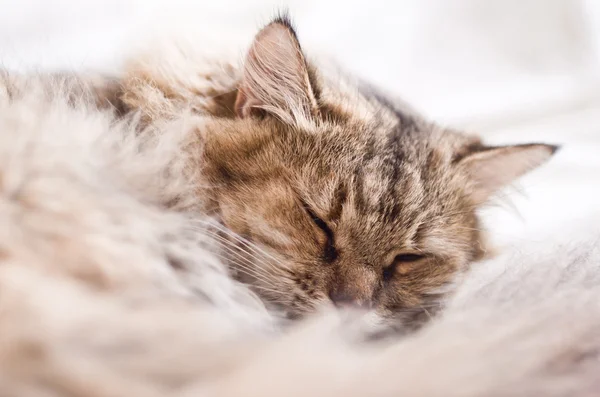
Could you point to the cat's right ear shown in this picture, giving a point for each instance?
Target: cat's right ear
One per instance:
(491, 168)
(275, 78)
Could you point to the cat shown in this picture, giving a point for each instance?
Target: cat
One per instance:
(111, 281)
(349, 197)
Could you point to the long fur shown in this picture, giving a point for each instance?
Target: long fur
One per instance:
(107, 289)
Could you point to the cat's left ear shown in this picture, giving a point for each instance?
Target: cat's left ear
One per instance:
(492, 168)
(275, 78)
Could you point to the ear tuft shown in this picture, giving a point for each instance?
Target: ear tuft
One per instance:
(283, 18)
(492, 168)
(275, 78)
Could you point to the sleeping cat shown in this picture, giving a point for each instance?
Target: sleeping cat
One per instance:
(108, 285)
(335, 193)
(104, 292)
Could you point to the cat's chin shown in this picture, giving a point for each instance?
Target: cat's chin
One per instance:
(357, 325)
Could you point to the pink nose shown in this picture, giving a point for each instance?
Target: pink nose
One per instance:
(345, 300)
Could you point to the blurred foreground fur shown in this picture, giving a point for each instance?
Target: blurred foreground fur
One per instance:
(107, 288)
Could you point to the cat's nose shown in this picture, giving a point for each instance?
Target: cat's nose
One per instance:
(345, 300)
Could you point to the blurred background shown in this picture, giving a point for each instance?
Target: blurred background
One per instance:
(511, 70)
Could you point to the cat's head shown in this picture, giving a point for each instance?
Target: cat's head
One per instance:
(347, 197)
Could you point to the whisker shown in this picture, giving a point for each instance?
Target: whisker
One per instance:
(429, 316)
(249, 266)
(245, 271)
(275, 291)
(232, 246)
(239, 238)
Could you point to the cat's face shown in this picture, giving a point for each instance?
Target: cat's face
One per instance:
(344, 198)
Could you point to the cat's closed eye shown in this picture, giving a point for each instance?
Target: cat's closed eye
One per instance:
(405, 258)
(402, 264)
(329, 252)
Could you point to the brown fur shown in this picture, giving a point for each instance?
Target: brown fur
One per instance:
(335, 184)
(105, 292)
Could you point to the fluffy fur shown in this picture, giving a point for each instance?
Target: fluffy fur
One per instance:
(348, 196)
(91, 303)
(111, 283)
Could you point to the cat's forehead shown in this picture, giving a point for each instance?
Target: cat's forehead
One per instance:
(382, 178)
(377, 177)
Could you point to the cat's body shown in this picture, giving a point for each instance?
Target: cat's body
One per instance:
(102, 316)
(110, 284)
